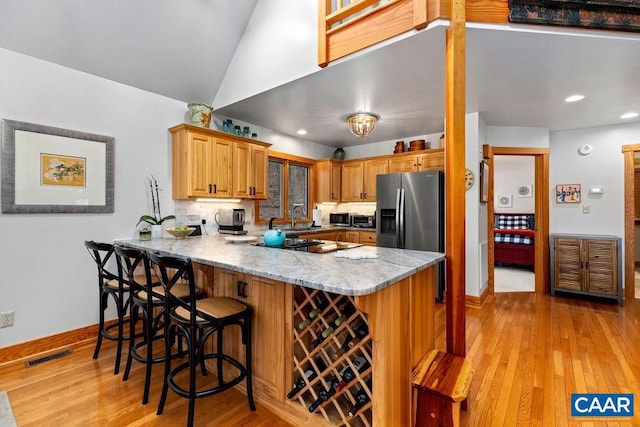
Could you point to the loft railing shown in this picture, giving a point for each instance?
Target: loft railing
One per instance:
(345, 26)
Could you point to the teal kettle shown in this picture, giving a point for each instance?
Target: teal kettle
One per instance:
(273, 237)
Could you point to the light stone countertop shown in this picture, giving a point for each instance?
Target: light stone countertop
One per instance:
(317, 271)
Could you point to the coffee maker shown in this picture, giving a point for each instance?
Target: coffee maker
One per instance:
(230, 221)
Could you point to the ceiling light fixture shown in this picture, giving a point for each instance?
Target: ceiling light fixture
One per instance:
(629, 115)
(574, 98)
(362, 124)
(301, 132)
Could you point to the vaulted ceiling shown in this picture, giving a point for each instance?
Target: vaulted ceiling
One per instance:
(516, 76)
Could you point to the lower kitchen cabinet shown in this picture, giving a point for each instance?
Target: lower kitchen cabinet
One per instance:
(586, 265)
(365, 237)
(267, 299)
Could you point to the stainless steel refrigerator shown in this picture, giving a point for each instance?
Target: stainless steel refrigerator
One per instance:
(410, 214)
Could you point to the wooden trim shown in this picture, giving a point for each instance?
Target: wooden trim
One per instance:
(629, 221)
(323, 7)
(454, 184)
(32, 348)
(216, 133)
(478, 302)
(291, 157)
(541, 189)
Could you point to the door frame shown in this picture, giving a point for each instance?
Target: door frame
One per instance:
(628, 152)
(541, 211)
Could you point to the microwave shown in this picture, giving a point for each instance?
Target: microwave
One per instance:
(339, 218)
(364, 221)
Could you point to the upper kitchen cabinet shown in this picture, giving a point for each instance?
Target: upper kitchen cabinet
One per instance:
(250, 166)
(413, 162)
(328, 178)
(359, 179)
(204, 162)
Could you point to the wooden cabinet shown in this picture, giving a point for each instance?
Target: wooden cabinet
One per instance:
(359, 179)
(431, 160)
(250, 168)
(586, 265)
(328, 179)
(204, 162)
(365, 237)
(267, 299)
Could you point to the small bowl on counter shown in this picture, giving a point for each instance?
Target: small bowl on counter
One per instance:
(180, 232)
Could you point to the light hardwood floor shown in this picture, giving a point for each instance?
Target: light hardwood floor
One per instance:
(529, 353)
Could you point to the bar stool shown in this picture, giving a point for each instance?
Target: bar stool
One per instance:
(197, 320)
(146, 305)
(109, 285)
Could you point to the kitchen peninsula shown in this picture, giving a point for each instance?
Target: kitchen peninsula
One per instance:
(390, 298)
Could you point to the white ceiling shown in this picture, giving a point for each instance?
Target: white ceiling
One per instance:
(182, 50)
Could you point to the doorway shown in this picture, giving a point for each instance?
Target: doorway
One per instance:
(541, 210)
(630, 152)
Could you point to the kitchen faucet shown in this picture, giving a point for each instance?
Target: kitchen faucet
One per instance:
(294, 206)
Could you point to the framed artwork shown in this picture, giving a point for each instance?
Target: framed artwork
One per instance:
(484, 181)
(53, 170)
(524, 190)
(568, 193)
(505, 201)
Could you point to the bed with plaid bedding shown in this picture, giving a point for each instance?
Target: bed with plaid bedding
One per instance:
(514, 237)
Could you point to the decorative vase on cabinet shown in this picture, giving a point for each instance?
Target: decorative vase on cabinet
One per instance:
(200, 114)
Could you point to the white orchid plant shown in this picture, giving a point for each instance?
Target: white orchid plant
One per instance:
(156, 218)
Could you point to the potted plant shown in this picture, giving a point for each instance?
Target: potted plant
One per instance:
(155, 220)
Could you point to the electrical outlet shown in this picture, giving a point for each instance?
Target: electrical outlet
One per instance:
(6, 319)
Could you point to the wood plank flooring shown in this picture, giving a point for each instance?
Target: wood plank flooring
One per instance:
(529, 353)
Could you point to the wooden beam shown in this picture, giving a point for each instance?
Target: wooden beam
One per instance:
(455, 169)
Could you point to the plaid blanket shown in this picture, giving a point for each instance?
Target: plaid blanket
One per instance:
(513, 222)
(513, 238)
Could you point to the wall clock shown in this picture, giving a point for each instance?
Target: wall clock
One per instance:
(469, 179)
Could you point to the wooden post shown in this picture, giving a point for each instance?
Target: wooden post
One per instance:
(455, 168)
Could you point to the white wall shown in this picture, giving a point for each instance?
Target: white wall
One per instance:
(276, 48)
(508, 136)
(603, 167)
(384, 148)
(509, 172)
(473, 155)
(47, 277)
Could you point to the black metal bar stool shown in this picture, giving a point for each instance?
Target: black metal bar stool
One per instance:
(109, 285)
(196, 321)
(146, 306)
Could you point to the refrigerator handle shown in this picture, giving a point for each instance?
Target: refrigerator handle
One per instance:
(401, 219)
(397, 218)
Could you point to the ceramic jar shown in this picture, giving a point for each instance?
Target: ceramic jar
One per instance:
(200, 114)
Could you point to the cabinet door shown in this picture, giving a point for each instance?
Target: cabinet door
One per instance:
(568, 267)
(602, 262)
(221, 168)
(260, 170)
(352, 236)
(373, 168)
(368, 238)
(241, 168)
(352, 174)
(198, 165)
(431, 161)
(328, 181)
(267, 298)
(403, 164)
(336, 181)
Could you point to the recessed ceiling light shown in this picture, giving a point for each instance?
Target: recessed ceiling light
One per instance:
(302, 132)
(574, 98)
(629, 115)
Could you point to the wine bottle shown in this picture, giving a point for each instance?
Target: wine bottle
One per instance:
(362, 398)
(361, 332)
(322, 303)
(324, 395)
(347, 375)
(309, 374)
(343, 347)
(323, 335)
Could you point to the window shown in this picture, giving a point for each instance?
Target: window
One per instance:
(288, 187)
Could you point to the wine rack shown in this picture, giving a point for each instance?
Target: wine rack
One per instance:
(331, 343)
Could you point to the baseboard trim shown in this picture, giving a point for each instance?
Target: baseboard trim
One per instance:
(42, 345)
(478, 302)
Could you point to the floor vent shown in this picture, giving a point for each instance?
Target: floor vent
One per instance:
(54, 356)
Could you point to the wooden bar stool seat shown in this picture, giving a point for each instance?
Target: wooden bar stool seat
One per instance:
(442, 381)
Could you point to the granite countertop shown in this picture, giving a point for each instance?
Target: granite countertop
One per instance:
(318, 271)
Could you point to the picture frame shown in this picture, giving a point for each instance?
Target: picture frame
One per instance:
(568, 193)
(53, 170)
(505, 201)
(524, 190)
(484, 181)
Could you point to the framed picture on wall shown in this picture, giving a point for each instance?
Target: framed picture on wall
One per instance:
(568, 193)
(484, 181)
(504, 201)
